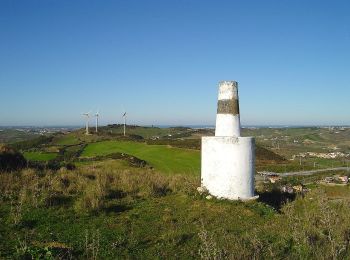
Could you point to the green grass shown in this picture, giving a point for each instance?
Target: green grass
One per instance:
(109, 163)
(132, 222)
(39, 156)
(159, 227)
(161, 157)
(67, 140)
(313, 137)
(143, 214)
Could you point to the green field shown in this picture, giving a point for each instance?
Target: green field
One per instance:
(67, 140)
(163, 158)
(39, 156)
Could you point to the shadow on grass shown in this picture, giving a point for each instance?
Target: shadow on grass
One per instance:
(90, 176)
(28, 223)
(116, 194)
(116, 208)
(275, 198)
(58, 200)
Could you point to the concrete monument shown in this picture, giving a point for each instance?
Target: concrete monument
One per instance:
(228, 160)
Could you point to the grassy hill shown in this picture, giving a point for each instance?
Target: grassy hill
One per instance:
(108, 208)
(100, 212)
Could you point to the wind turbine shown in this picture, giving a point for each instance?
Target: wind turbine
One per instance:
(87, 115)
(97, 115)
(124, 116)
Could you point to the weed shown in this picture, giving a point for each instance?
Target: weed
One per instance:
(92, 244)
(16, 211)
(25, 251)
(209, 249)
(119, 241)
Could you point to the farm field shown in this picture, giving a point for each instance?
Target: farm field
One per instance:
(39, 156)
(163, 158)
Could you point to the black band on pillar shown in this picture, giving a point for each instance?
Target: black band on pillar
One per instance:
(228, 106)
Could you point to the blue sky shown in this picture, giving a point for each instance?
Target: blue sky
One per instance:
(162, 60)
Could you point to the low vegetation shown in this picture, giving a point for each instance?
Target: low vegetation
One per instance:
(106, 196)
(102, 212)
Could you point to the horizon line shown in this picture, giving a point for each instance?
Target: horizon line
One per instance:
(180, 125)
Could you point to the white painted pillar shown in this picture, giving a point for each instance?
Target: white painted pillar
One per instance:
(228, 160)
(227, 117)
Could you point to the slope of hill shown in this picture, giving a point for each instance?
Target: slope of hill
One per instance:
(112, 205)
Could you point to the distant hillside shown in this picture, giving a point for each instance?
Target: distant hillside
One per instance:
(263, 154)
(12, 135)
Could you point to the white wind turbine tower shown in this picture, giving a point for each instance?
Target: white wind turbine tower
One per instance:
(124, 116)
(87, 115)
(97, 116)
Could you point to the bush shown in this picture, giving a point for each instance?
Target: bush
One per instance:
(10, 159)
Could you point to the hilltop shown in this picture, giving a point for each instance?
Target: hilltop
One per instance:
(106, 195)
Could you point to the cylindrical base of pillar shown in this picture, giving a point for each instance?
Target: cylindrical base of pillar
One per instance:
(228, 167)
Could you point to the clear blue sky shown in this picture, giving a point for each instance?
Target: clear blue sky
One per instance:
(162, 60)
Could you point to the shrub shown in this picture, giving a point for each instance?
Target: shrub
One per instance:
(10, 159)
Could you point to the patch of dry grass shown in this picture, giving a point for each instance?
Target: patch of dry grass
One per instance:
(311, 227)
(90, 187)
